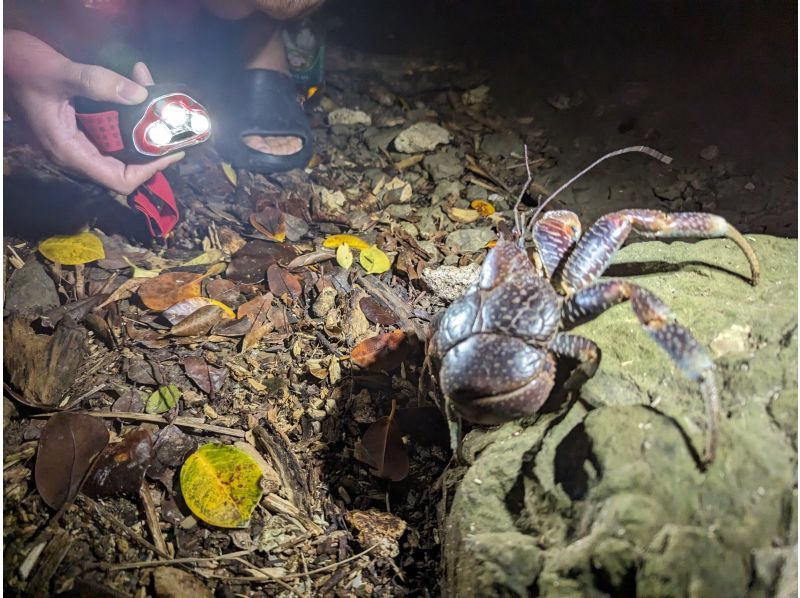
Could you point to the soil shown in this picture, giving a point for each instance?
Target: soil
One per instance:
(571, 81)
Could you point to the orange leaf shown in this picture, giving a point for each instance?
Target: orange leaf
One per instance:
(484, 207)
(165, 290)
(271, 223)
(384, 352)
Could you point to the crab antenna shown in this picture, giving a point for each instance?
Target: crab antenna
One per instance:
(625, 150)
(519, 219)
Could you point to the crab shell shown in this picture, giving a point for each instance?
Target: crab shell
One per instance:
(491, 344)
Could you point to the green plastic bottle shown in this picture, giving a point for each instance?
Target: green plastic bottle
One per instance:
(305, 52)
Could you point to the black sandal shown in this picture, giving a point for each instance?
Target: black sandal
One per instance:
(261, 102)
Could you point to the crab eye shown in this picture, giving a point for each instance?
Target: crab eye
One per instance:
(174, 114)
(198, 123)
(159, 134)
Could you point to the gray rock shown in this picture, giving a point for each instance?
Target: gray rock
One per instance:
(444, 165)
(30, 289)
(421, 137)
(379, 139)
(611, 501)
(476, 192)
(500, 145)
(470, 239)
(448, 283)
(445, 189)
(348, 117)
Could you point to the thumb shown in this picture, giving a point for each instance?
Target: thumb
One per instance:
(103, 85)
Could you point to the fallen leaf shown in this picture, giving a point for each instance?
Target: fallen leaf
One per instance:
(141, 272)
(225, 291)
(163, 399)
(308, 259)
(212, 256)
(282, 282)
(383, 352)
(251, 262)
(462, 216)
(182, 309)
(374, 261)
(344, 256)
(377, 313)
(271, 223)
(334, 241)
(257, 312)
(484, 207)
(120, 468)
(71, 250)
(131, 401)
(199, 322)
(230, 173)
(220, 485)
(67, 447)
(207, 377)
(382, 448)
(232, 328)
(167, 289)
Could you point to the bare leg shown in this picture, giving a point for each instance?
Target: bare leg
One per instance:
(659, 322)
(597, 247)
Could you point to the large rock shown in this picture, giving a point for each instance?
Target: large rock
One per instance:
(421, 137)
(610, 500)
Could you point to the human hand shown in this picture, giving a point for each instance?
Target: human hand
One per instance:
(41, 83)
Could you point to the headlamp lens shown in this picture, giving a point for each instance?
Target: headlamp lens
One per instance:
(174, 114)
(159, 134)
(199, 123)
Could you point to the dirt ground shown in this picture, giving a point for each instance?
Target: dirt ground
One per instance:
(714, 86)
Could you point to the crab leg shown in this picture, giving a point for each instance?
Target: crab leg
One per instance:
(580, 348)
(597, 247)
(554, 235)
(659, 322)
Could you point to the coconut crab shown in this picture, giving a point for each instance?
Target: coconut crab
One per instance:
(495, 347)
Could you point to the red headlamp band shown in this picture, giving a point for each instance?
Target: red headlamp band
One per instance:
(102, 128)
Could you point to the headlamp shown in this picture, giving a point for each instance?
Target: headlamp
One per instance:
(169, 120)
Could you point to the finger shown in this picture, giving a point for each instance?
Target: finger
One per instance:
(104, 85)
(141, 74)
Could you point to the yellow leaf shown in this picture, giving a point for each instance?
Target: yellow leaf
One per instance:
(374, 260)
(334, 241)
(484, 207)
(220, 485)
(212, 256)
(141, 272)
(344, 256)
(463, 216)
(71, 250)
(230, 173)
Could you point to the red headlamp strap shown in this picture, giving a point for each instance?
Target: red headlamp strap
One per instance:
(156, 201)
(102, 129)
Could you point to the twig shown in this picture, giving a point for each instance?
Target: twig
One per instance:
(269, 576)
(327, 344)
(179, 561)
(151, 517)
(518, 219)
(182, 422)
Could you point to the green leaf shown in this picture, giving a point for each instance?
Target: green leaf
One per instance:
(344, 256)
(163, 399)
(221, 485)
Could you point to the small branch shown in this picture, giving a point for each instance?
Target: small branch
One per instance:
(519, 220)
(182, 422)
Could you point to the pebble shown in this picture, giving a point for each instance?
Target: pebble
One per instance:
(448, 283)
(421, 137)
(348, 117)
(500, 145)
(477, 96)
(470, 239)
(324, 303)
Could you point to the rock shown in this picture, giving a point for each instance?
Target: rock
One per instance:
(611, 501)
(500, 145)
(171, 582)
(348, 117)
(377, 528)
(478, 96)
(421, 137)
(396, 191)
(30, 289)
(710, 152)
(446, 189)
(562, 100)
(324, 303)
(735, 339)
(470, 239)
(332, 201)
(444, 165)
(448, 283)
(379, 139)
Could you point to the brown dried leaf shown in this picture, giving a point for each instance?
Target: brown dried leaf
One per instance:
(232, 328)
(384, 352)
(382, 448)
(182, 309)
(257, 311)
(120, 467)
(251, 261)
(282, 282)
(68, 445)
(208, 377)
(225, 291)
(199, 322)
(377, 313)
(165, 290)
(271, 223)
(315, 257)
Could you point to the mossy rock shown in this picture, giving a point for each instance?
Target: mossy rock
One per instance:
(611, 499)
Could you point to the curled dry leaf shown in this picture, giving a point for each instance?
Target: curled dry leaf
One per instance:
(120, 468)
(257, 312)
(165, 290)
(208, 377)
(271, 223)
(308, 259)
(377, 313)
(199, 322)
(183, 309)
(382, 448)
(384, 352)
(67, 447)
(282, 282)
(251, 262)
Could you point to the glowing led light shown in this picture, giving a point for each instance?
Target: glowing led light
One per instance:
(199, 123)
(174, 114)
(159, 134)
